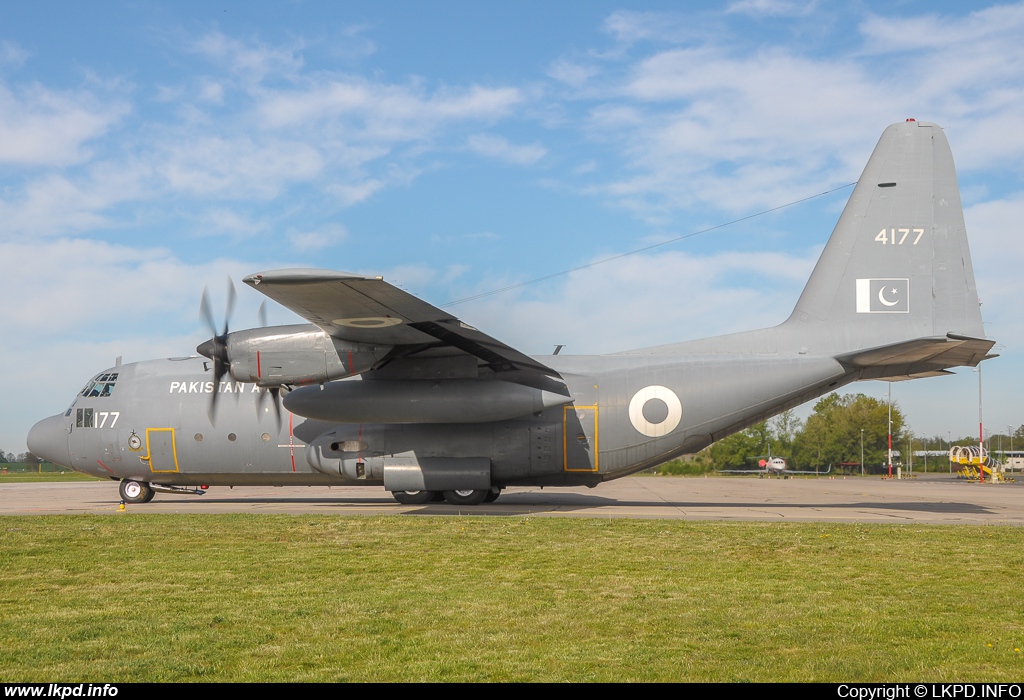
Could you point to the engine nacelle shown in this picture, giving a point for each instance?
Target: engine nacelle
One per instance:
(299, 354)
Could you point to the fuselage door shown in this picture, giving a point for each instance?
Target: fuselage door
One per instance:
(579, 438)
(161, 450)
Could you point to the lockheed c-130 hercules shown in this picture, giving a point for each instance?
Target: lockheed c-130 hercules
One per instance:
(385, 389)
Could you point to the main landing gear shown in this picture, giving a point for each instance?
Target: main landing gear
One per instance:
(136, 491)
(461, 497)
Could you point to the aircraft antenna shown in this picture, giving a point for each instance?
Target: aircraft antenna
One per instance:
(619, 256)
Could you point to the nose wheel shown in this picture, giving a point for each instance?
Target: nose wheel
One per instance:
(136, 491)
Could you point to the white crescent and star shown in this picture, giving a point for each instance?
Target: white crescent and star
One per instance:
(881, 297)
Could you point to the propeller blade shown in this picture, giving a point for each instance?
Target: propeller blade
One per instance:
(275, 394)
(205, 314)
(262, 315)
(218, 373)
(231, 305)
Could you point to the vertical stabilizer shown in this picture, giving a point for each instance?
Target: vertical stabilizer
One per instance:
(897, 266)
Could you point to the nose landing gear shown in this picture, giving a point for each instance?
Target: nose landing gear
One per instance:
(136, 491)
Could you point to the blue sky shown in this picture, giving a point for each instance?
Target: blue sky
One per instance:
(150, 149)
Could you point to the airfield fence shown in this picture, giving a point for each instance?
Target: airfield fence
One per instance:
(28, 468)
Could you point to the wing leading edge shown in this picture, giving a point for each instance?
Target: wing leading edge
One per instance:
(369, 310)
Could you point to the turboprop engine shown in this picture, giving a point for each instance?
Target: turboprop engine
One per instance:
(299, 354)
(420, 401)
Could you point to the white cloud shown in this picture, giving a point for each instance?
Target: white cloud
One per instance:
(56, 204)
(252, 60)
(228, 221)
(95, 289)
(211, 91)
(235, 133)
(628, 27)
(39, 126)
(237, 167)
(719, 123)
(494, 146)
(348, 195)
(572, 73)
(381, 111)
(11, 54)
(771, 8)
(323, 237)
(888, 34)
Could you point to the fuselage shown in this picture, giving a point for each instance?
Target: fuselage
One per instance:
(148, 421)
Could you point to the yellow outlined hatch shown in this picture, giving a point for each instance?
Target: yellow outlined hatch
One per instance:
(165, 458)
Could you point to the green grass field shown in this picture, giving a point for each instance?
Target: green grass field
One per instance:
(129, 597)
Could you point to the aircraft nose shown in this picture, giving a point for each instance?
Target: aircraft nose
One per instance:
(48, 439)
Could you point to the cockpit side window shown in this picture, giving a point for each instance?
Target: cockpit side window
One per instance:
(101, 386)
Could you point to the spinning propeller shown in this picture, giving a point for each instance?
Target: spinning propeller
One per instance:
(216, 349)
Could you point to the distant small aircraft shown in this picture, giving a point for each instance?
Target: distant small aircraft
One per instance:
(384, 389)
(773, 466)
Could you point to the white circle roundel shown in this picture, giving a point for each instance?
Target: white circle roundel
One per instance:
(666, 426)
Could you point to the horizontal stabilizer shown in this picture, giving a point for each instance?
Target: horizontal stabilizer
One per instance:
(919, 375)
(922, 357)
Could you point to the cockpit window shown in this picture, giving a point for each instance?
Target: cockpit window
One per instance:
(101, 386)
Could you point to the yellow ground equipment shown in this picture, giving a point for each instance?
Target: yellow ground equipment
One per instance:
(974, 461)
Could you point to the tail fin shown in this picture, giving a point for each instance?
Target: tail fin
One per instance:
(897, 267)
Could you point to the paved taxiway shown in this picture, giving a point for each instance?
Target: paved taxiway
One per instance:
(933, 499)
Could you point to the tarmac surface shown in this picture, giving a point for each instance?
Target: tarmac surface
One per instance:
(929, 499)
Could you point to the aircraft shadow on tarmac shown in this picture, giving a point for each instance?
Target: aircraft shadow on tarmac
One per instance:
(513, 504)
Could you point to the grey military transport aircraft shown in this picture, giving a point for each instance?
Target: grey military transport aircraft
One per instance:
(381, 388)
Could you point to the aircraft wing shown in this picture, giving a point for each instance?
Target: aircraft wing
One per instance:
(805, 471)
(369, 310)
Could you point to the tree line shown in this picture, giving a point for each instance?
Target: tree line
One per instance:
(22, 458)
(839, 430)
